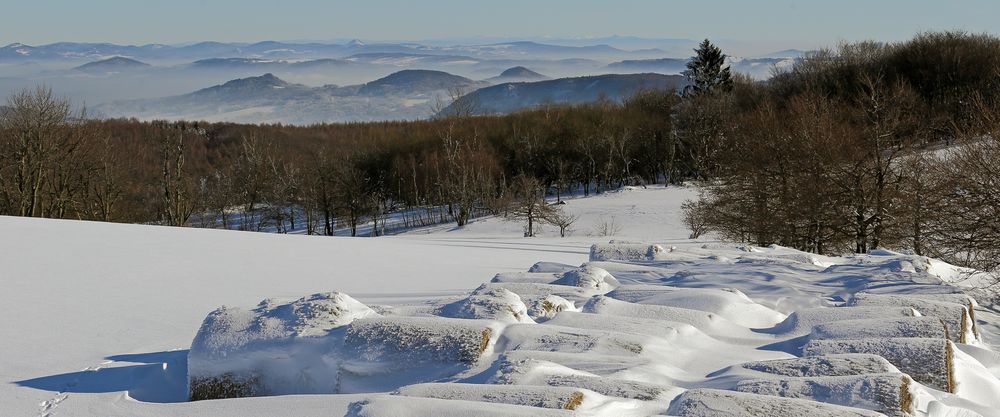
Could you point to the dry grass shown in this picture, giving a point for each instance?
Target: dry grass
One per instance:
(574, 401)
(949, 355)
(905, 397)
(965, 328)
(485, 342)
(972, 316)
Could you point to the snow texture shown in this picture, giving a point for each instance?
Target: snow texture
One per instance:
(928, 361)
(625, 251)
(926, 327)
(716, 403)
(409, 340)
(885, 393)
(955, 316)
(824, 365)
(565, 398)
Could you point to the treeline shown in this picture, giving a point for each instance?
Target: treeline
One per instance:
(55, 163)
(866, 146)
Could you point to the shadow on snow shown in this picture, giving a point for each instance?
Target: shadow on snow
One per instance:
(159, 377)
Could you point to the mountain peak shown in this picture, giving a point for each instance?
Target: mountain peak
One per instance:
(415, 80)
(521, 72)
(115, 63)
(263, 81)
(355, 43)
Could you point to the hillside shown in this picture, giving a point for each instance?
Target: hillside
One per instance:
(408, 82)
(508, 97)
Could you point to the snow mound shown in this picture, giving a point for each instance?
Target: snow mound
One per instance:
(265, 351)
(228, 330)
(526, 277)
(717, 403)
(824, 365)
(550, 267)
(402, 406)
(412, 340)
(625, 251)
(928, 361)
(569, 339)
(590, 277)
(489, 302)
(926, 327)
(975, 381)
(612, 387)
(537, 372)
(549, 306)
(594, 363)
(540, 301)
(729, 303)
(564, 398)
(706, 322)
(802, 321)
(640, 326)
(531, 291)
(885, 393)
(961, 327)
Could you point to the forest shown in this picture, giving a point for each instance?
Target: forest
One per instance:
(864, 146)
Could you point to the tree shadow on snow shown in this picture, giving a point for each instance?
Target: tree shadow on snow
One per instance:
(159, 377)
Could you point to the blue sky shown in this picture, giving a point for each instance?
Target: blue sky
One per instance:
(776, 22)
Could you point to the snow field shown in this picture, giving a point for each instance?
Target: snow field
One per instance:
(682, 332)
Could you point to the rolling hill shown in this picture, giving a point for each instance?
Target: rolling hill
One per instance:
(508, 97)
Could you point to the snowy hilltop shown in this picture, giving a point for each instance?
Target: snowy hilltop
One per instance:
(479, 321)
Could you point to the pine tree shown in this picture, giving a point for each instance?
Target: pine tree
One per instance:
(705, 70)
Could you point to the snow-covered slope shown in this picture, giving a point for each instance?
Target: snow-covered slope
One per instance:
(98, 320)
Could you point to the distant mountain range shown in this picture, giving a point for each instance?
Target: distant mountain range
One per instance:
(308, 82)
(407, 94)
(73, 51)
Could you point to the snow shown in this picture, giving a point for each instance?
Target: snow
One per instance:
(715, 403)
(110, 319)
(885, 393)
(825, 365)
(928, 361)
(926, 327)
(625, 251)
(955, 316)
(489, 302)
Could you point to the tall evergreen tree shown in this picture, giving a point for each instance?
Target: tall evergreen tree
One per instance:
(705, 70)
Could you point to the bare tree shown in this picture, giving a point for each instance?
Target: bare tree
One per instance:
(528, 203)
(36, 139)
(178, 193)
(561, 219)
(456, 104)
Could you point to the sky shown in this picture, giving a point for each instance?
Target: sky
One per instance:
(781, 23)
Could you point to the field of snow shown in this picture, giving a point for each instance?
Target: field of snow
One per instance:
(122, 320)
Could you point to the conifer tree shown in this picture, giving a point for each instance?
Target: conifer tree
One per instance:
(705, 70)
